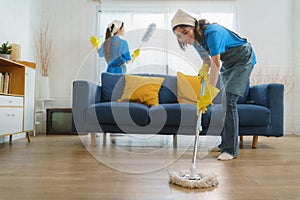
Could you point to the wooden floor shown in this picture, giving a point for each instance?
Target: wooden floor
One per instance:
(67, 167)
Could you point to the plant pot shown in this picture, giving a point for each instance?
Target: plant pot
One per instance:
(6, 56)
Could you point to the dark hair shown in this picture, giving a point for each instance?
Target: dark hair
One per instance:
(107, 42)
(199, 28)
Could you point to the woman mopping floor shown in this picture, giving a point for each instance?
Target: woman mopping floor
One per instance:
(229, 57)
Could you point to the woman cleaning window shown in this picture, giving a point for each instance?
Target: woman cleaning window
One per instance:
(115, 49)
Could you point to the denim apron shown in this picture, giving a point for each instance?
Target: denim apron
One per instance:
(236, 68)
(117, 68)
(124, 68)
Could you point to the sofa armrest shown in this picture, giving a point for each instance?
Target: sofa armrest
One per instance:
(271, 96)
(84, 94)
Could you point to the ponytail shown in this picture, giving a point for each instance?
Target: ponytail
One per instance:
(200, 27)
(107, 44)
(108, 39)
(108, 32)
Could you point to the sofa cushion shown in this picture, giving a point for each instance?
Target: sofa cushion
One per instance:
(183, 115)
(177, 114)
(141, 89)
(253, 115)
(188, 88)
(249, 115)
(118, 113)
(214, 117)
(112, 86)
(168, 90)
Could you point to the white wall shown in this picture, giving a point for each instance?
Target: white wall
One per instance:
(269, 27)
(71, 23)
(18, 20)
(296, 115)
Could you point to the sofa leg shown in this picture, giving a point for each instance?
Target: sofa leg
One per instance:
(104, 138)
(175, 140)
(241, 138)
(93, 139)
(28, 136)
(255, 141)
(10, 139)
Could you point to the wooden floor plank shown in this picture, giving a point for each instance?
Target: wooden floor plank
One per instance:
(62, 167)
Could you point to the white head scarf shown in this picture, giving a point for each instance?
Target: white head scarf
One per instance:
(114, 26)
(182, 18)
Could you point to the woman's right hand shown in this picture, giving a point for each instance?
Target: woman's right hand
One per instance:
(95, 42)
(203, 72)
(207, 99)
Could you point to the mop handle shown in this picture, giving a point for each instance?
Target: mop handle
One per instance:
(197, 132)
(203, 87)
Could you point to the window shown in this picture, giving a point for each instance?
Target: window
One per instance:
(161, 54)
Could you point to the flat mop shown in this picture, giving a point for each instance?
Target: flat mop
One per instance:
(191, 178)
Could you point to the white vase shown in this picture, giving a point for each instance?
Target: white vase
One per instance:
(44, 87)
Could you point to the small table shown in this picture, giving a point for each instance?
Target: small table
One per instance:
(36, 122)
(46, 103)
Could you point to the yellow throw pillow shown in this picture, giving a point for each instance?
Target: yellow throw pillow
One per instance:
(141, 89)
(188, 88)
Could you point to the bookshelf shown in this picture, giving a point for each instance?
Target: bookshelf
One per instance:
(17, 102)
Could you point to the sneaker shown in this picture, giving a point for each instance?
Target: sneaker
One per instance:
(225, 156)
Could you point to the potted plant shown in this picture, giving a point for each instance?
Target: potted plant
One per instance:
(5, 50)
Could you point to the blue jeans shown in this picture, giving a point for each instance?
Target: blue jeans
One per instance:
(230, 130)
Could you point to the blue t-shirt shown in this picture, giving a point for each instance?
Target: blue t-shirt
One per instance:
(217, 40)
(119, 49)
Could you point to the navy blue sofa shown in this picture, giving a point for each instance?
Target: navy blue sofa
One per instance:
(95, 110)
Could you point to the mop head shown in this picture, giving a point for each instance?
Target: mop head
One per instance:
(204, 180)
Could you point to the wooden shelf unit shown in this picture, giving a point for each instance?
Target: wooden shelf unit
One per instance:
(18, 105)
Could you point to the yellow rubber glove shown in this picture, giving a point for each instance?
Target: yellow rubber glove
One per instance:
(203, 72)
(135, 54)
(206, 100)
(95, 41)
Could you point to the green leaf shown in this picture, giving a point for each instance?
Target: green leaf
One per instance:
(5, 48)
